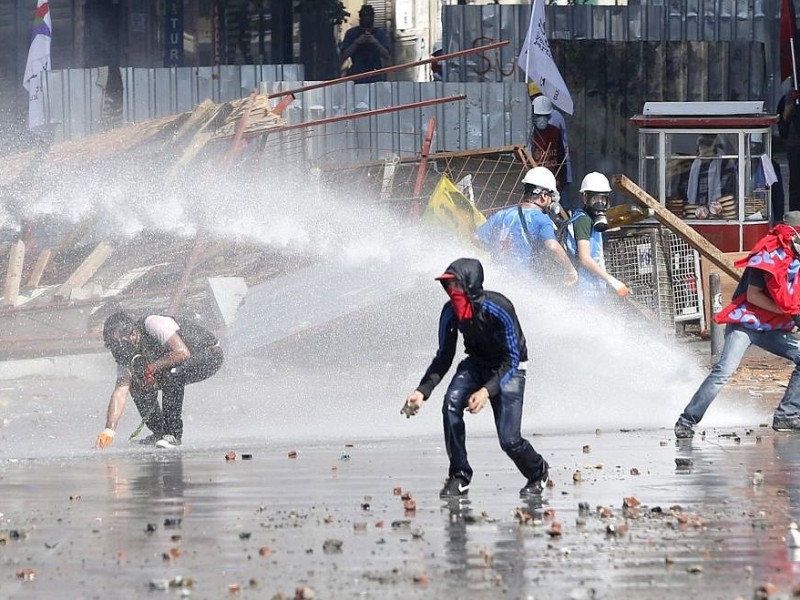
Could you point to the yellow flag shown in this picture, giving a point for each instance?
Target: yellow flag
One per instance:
(449, 207)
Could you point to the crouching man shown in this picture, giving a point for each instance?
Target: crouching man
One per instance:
(156, 353)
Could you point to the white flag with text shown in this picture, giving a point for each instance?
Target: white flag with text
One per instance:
(34, 79)
(536, 60)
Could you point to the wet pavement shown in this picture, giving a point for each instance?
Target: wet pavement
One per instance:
(632, 514)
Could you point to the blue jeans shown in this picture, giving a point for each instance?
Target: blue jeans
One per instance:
(737, 341)
(507, 408)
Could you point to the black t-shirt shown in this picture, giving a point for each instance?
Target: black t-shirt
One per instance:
(754, 277)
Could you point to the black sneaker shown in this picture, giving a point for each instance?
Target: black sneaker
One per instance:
(684, 430)
(455, 487)
(150, 440)
(535, 487)
(786, 423)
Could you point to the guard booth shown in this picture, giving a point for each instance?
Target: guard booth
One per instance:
(710, 163)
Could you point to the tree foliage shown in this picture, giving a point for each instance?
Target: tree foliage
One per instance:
(333, 9)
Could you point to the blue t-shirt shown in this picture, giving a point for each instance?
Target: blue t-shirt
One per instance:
(503, 234)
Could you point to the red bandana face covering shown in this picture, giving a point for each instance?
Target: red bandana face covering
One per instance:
(461, 304)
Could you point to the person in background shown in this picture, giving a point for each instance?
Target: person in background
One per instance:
(152, 354)
(524, 235)
(767, 176)
(558, 121)
(789, 132)
(583, 238)
(437, 69)
(366, 46)
(764, 311)
(492, 373)
(547, 147)
(711, 176)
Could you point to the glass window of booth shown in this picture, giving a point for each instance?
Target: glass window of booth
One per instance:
(758, 177)
(721, 175)
(702, 171)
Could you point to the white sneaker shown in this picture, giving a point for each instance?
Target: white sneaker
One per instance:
(168, 441)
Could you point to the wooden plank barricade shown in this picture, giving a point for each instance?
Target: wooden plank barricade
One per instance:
(677, 226)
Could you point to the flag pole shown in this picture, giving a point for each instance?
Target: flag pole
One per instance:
(794, 69)
(528, 50)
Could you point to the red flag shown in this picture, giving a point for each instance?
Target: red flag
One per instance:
(788, 32)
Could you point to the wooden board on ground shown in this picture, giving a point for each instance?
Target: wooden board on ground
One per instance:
(727, 284)
(39, 267)
(84, 272)
(14, 273)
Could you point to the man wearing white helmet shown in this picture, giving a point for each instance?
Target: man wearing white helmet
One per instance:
(583, 237)
(556, 120)
(524, 234)
(547, 146)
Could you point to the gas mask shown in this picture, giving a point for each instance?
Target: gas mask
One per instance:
(554, 210)
(123, 350)
(597, 206)
(541, 121)
(551, 208)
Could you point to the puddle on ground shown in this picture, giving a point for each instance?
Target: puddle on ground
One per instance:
(332, 520)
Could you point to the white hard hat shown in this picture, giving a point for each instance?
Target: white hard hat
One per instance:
(757, 137)
(595, 182)
(542, 105)
(541, 177)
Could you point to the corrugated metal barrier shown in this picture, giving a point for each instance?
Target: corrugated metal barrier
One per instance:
(493, 114)
(659, 21)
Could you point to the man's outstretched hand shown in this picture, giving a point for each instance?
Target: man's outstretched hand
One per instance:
(413, 404)
(105, 438)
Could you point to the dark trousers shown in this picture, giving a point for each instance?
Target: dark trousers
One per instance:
(793, 158)
(507, 408)
(166, 419)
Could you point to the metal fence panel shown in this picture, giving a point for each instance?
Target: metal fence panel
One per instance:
(639, 257)
(661, 270)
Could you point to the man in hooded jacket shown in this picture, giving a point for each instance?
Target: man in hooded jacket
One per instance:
(493, 372)
(764, 311)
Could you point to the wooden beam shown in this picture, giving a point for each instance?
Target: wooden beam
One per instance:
(84, 272)
(238, 142)
(203, 115)
(677, 226)
(39, 267)
(183, 284)
(198, 117)
(14, 273)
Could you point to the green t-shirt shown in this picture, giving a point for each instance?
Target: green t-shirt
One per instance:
(582, 227)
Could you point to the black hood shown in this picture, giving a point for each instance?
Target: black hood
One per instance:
(469, 272)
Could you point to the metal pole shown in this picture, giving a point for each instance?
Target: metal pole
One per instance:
(416, 205)
(358, 115)
(717, 331)
(392, 69)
